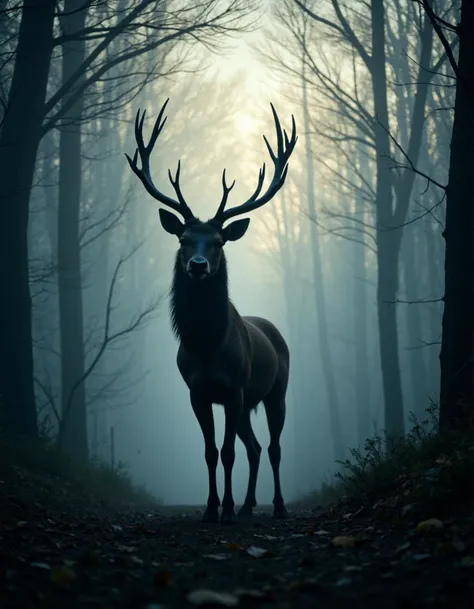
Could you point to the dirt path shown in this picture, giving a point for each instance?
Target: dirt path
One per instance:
(166, 558)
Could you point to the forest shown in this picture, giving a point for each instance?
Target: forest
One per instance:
(363, 259)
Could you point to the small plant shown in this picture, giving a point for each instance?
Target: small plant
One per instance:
(425, 466)
(43, 456)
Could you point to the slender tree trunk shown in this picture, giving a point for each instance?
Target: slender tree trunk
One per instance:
(457, 370)
(19, 140)
(320, 298)
(416, 357)
(433, 255)
(71, 323)
(362, 389)
(388, 237)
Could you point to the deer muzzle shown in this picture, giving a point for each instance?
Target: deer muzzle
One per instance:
(198, 267)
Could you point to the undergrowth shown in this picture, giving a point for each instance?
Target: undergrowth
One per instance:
(44, 457)
(424, 467)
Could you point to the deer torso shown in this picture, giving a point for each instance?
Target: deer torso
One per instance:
(221, 352)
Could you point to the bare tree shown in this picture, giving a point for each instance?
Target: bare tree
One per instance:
(29, 115)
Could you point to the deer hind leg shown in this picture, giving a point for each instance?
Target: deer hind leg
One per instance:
(275, 410)
(203, 411)
(245, 433)
(233, 410)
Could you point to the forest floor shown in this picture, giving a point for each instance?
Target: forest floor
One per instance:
(62, 549)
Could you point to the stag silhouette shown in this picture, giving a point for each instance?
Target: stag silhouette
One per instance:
(224, 358)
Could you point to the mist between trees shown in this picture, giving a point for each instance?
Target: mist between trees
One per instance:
(348, 260)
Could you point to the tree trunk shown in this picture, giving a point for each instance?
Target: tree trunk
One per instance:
(320, 299)
(73, 435)
(416, 356)
(362, 373)
(457, 371)
(19, 140)
(388, 237)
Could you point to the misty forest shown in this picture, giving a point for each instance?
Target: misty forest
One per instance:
(328, 145)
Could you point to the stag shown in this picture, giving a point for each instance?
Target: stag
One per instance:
(224, 358)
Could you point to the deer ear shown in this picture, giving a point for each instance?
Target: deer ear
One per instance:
(236, 230)
(171, 223)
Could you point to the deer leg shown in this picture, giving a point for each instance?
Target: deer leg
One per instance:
(203, 411)
(245, 433)
(275, 410)
(233, 410)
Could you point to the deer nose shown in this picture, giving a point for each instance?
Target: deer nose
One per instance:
(198, 265)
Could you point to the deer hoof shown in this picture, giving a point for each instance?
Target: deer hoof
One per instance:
(210, 515)
(228, 518)
(280, 512)
(246, 511)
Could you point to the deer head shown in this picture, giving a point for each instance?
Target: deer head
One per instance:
(201, 243)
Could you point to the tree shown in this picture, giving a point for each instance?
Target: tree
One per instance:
(19, 139)
(457, 346)
(29, 116)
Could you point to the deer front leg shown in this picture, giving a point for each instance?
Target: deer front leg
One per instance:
(233, 409)
(203, 411)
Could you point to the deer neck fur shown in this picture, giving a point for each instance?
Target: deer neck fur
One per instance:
(200, 310)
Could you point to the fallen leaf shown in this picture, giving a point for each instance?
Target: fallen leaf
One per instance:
(257, 552)
(128, 549)
(116, 527)
(344, 541)
(62, 576)
(267, 537)
(459, 545)
(352, 568)
(467, 561)
(233, 546)
(322, 533)
(343, 581)
(203, 596)
(405, 546)
(162, 579)
(432, 525)
(420, 557)
(218, 556)
(136, 560)
(41, 565)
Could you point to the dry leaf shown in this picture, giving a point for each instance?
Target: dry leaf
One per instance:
(41, 565)
(218, 556)
(432, 525)
(344, 541)
(459, 545)
(233, 546)
(62, 576)
(203, 596)
(162, 579)
(257, 552)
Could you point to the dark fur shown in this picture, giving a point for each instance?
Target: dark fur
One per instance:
(234, 361)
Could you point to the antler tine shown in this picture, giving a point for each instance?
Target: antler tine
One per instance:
(226, 190)
(144, 151)
(285, 148)
(176, 185)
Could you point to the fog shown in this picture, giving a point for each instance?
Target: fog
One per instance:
(138, 409)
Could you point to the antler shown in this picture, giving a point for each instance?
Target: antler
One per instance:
(280, 161)
(180, 205)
